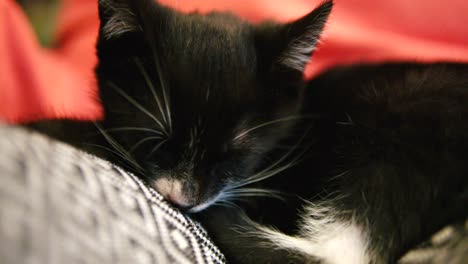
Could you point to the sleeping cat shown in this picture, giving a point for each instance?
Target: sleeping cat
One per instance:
(210, 110)
(385, 167)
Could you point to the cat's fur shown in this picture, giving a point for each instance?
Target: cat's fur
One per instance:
(181, 91)
(388, 170)
(209, 109)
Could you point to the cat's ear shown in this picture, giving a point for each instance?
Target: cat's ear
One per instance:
(121, 16)
(117, 17)
(291, 45)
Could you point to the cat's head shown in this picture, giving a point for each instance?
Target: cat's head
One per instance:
(194, 102)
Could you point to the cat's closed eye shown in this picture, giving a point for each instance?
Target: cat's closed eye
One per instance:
(197, 78)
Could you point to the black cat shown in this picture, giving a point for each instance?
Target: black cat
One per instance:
(193, 103)
(383, 169)
(369, 160)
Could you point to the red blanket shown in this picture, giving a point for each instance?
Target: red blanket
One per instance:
(37, 83)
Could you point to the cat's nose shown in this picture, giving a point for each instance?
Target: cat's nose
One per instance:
(172, 190)
(177, 198)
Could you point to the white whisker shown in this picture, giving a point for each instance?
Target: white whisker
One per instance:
(118, 147)
(226, 204)
(272, 122)
(156, 148)
(163, 88)
(265, 173)
(137, 105)
(141, 129)
(168, 106)
(141, 142)
(270, 171)
(151, 86)
(111, 151)
(264, 176)
(257, 192)
(127, 163)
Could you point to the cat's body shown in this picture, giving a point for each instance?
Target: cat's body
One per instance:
(386, 168)
(208, 109)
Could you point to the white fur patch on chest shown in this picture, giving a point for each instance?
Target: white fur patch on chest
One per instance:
(341, 243)
(323, 237)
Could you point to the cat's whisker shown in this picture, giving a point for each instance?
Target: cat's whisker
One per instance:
(247, 190)
(156, 148)
(262, 174)
(269, 174)
(151, 86)
(270, 171)
(339, 175)
(142, 141)
(255, 192)
(140, 129)
(272, 122)
(276, 171)
(128, 164)
(163, 87)
(226, 203)
(137, 105)
(118, 147)
(168, 106)
(113, 152)
(230, 198)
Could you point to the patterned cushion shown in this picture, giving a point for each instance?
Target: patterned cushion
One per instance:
(60, 205)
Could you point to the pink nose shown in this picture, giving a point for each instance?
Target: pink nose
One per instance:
(172, 191)
(177, 199)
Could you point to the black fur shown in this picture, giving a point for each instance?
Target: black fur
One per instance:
(385, 144)
(400, 133)
(220, 75)
(387, 148)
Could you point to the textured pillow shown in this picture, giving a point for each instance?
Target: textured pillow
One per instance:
(60, 205)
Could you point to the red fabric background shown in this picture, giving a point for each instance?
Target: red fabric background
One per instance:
(37, 83)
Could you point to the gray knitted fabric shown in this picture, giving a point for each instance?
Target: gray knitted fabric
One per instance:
(60, 205)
